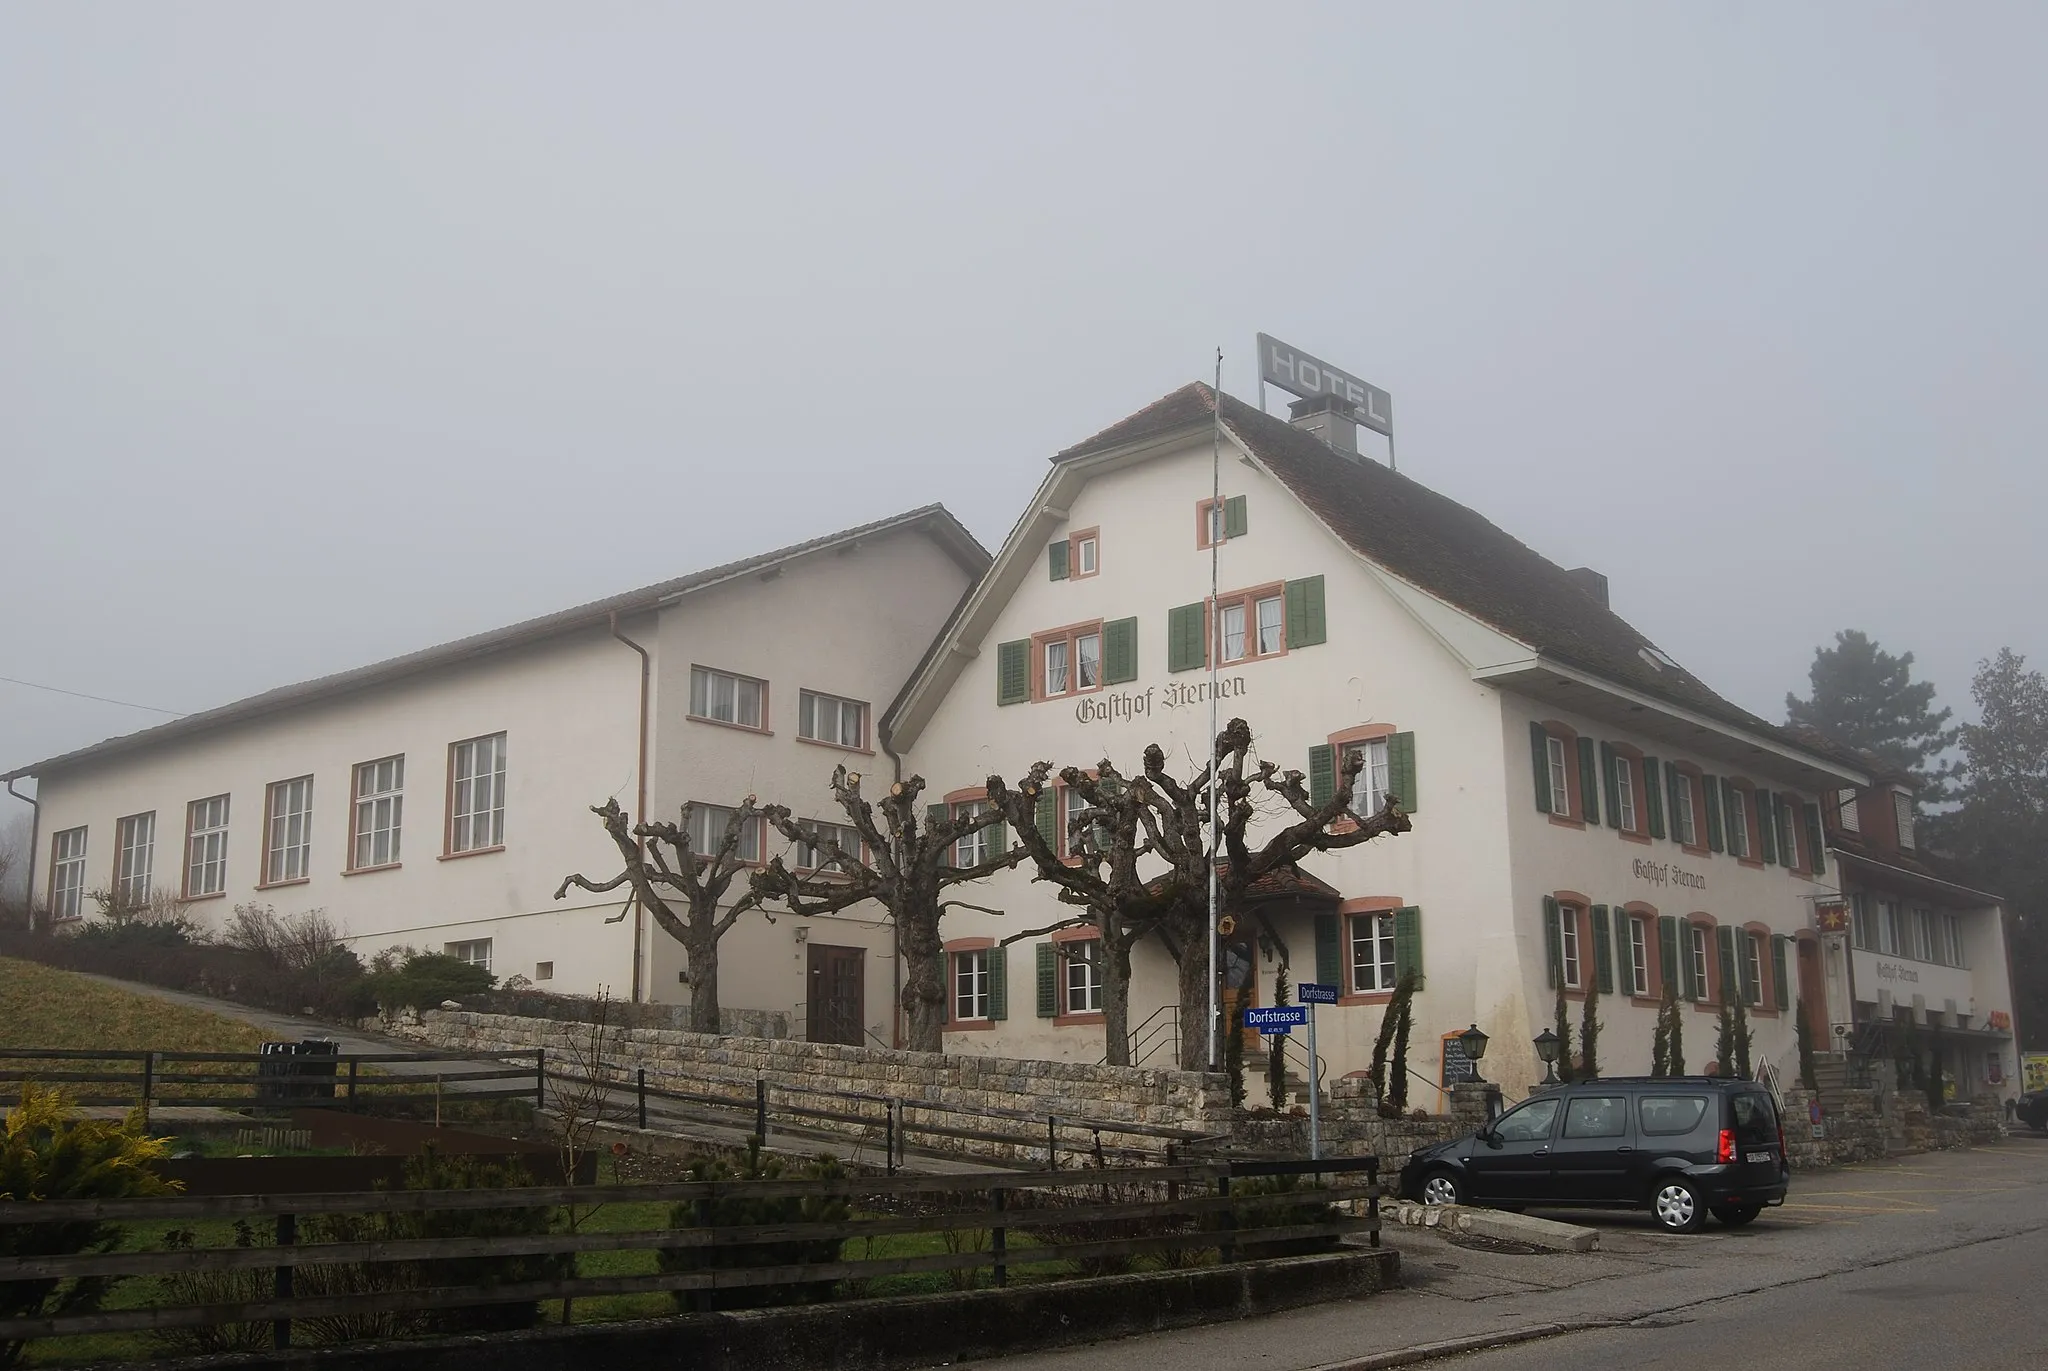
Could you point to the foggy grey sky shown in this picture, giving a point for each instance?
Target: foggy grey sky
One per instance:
(329, 334)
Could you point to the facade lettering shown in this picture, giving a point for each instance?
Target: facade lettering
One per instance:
(1665, 873)
(1111, 706)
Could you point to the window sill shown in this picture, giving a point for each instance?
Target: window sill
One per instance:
(279, 885)
(1755, 863)
(970, 1025)
(1567, 821)
(814, 742)
(1093, 1017)
(472, 852)
(721, 723)
(1708, 1007)
(1364, 997)
(1695, 850)
(197, 899)
(366, 870)
(1647, 1001)
(1631, 836)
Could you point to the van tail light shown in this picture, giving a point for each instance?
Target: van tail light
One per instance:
(1726, 1152)
(1781, 1137)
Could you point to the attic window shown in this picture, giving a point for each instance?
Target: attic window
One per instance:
(1656, 658)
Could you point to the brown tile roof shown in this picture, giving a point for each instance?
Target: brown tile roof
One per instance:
(1455, 553)
(1280, 881)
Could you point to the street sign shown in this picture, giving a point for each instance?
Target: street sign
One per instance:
(1277, 1019)
(1311, 993)
(1297, 373)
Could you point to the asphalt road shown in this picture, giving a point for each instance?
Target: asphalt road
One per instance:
(1930, 1261)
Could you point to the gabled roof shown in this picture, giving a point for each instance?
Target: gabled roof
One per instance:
(936, 521)
(1451, 552)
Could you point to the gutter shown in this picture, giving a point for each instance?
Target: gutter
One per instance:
(640, 803)
(35, 832)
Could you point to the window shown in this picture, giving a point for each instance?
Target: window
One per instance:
(1560, 777)
(1084, 554)
(288, 840)
(67, 873)
(1253, 626)
(707, 832)
(1079, 836)
(1892, 936)
(1625, 792)
(1369, 788)
(1527, 1123)
(379, 810)
(829, 719)
(1638, 956)
(134, 848)
(1219, 521)
(1845, 810)
(1072, 661)
(1753, 968)
(1667, 1116)
(477, 952)
(1596, 1116)
(1081, 992)
(971, 849)
(206, 847)
(1862, 927)
(1372, 952)
(812, 854)
(1902, 806)
(1923, 935)
(1684, 827)
(1697, 933)
(543, 971)
(727, 699)
(1952, 933)
(1568, 945)
(1738, 822)
(970, 985)
(1788, 833)
(477, 813)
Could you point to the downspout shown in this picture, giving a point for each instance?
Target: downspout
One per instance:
(35, 830)
(640, 803)
(884, 735)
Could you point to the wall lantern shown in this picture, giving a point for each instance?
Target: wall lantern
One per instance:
(1475, 1048)
(1546, 1049)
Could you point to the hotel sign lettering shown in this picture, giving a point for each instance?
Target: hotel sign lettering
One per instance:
(1667, 873)
(1120, 706)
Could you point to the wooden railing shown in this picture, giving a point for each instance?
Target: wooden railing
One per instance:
(1179, 1210)
(95, 1076)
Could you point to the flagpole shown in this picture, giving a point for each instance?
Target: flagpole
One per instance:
(1214, 531)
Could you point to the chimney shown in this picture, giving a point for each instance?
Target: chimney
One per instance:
(1329, 418)
(1590, 581)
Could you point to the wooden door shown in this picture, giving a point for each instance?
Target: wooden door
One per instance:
(1813, 990)
(833, 1010)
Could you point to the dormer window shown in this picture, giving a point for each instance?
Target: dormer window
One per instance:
(1902, 806)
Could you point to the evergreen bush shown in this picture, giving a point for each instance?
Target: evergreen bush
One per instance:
(728, 1211)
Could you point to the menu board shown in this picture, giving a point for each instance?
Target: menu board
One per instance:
(1457, 1067)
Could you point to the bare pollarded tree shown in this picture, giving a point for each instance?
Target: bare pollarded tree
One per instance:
(1157, 816)
(906, 865)
(698, 882)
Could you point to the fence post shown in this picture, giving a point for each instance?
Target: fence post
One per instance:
(895, 1110)
(1052, 1143)
(1372, 1206)
(999, 1245)
(281, 1287)
(148, 1079)
(353, 1063)
(640, 1086)
(540, 1077)
(761, 1108)
(1226, 1248)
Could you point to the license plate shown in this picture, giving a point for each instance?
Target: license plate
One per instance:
(1760, 1157)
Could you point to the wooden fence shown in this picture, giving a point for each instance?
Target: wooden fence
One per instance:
(1177, 1210)
(100, 1076)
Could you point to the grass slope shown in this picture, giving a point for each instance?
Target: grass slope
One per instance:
(41, 1006)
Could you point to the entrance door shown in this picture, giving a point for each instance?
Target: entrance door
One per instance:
(1813, 990)
(833, 1011)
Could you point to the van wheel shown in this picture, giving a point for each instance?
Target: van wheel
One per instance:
(1442, 1187)
(1676, 1203)
(1736, 1215)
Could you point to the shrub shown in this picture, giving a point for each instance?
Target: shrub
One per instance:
(46, 1154)
(1279, 1202)
(1589, 1035)
(1804, 1032)
(201, 1284)
(727, 1211)
(424, 979)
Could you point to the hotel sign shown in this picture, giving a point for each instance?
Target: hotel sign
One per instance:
(1118, 706)
(1297, 373)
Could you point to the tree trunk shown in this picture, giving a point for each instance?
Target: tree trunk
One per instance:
(702, 950)
(1194, 1001)
(1116, 998)
(924, 984)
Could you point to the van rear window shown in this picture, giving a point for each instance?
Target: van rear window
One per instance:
(1667, 1115)
(1756, 1119)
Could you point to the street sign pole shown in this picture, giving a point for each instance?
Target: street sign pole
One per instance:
(1315, 1111)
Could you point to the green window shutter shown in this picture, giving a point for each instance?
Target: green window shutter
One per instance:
(1814, 840)
(1725, 937)
(1306, 624)
(1653, 796)
(1401, 769)
(1047, 818)
(1048, 981)
(1710, 786)
(1766, 826)
(1553, 954)
(1539, 757)
(1322, 774)
(1408, 944)
(1624, 959)
(1667, 948)
(999, 983)
(1186, 631)
(1330, 952)
(1603, 951)
(1013, 672)
(1056, 560)
(1728, 789)
(1783, 996)
(1233, 516)
(1688, 973)
(998, 838)
(1589, 782)
(1610, 762)
(1119, 651)
(934, 815)
(1673, 779)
